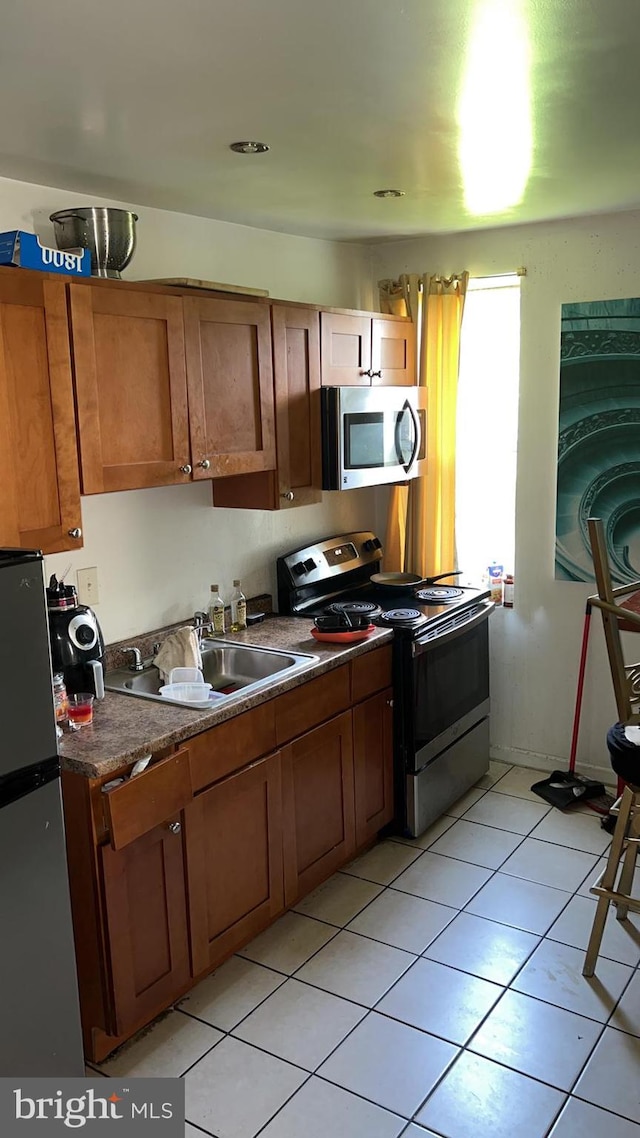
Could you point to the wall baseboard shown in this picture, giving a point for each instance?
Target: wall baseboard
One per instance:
(541, 762)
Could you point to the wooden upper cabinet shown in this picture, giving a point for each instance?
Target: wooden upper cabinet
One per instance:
(367, 351)
(230, 379)
(297, 481)
(393, 353)
(131, 388)
(346, 350)
(39, 484)
(296, 361)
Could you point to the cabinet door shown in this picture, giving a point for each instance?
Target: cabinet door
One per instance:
(234, 861)
(319, 822)
(373, 764)
(131, 388)
(298, 478)
(296, 359)
(393, 353)
(345, 350)
(147, 933)
(230, 380)
(39, 483)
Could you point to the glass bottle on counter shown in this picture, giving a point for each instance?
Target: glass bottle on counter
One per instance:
(60, 700)
(238, 609)
(216, 612)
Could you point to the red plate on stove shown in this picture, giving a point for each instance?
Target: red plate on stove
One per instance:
(343, 637)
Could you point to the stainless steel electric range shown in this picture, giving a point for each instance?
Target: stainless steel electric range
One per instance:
(440, 665)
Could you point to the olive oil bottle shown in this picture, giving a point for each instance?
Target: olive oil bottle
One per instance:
(238, 609)
(216, 612)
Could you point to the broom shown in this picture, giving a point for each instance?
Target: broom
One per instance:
(565, 788)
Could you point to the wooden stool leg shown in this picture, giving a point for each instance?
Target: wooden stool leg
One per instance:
(626, 878)
(625, 885)
(608, 881)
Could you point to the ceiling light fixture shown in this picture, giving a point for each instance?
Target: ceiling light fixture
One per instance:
(388, 193)
(249, 147)
(495, 116)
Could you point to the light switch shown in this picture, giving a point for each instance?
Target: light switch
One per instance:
(88, 586)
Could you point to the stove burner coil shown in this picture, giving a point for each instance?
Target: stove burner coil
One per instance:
(401, 616)
(439, 594)
(351, 606)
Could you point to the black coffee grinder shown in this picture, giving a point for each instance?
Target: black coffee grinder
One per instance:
(77, 646)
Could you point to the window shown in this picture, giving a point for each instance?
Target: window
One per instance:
(487, 426)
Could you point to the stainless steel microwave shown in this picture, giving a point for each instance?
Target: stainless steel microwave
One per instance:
(372, 435)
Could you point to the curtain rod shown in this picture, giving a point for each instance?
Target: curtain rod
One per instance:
(519, 272)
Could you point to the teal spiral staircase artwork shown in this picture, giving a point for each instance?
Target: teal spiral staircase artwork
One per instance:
(599, 437)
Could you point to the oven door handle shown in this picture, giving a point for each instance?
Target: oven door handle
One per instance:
(417, 436)
(435, 641)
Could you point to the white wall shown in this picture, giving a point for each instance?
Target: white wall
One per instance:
(535, 647)
(157, 551)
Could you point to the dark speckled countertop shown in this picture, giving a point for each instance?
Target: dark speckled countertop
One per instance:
(126, 727)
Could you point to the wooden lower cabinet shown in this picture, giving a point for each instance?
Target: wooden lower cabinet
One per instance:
(373, 765)
(227, 846)
(319, 811)
(234, 854)
(146, 923)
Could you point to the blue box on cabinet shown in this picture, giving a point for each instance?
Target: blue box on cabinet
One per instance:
(17, 247)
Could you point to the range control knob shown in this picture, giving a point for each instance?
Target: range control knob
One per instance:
(368, 545)
(377, 544)
(298, 569)
(309, 565)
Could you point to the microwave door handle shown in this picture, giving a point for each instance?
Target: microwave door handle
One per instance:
(417, 436)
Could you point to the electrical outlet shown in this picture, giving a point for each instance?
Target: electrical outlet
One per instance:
(88, 586)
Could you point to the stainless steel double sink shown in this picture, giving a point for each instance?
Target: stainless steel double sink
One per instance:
(232, 670)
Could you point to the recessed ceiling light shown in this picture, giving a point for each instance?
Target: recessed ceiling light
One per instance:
(388, 193)
(249, 147)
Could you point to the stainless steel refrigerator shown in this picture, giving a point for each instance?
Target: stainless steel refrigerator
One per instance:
(39, 1013)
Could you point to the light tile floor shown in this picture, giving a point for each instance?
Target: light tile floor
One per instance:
(433, 988)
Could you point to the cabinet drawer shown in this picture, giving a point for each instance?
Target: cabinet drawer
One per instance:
(232, 745)
(311, 703)
(370, 673)
(144, 802)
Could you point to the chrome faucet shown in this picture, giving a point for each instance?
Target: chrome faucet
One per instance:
(201, 624)
(136, 664)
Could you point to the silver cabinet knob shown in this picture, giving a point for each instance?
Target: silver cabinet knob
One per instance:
(75, 532)
(389, 703)
(186, 469)
(175, 827)
(288, 496)
(205, 464)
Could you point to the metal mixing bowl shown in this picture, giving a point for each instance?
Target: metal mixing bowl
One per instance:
(110, 235)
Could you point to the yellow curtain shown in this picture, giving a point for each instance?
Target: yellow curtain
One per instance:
(421, 520)
(399, 298)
